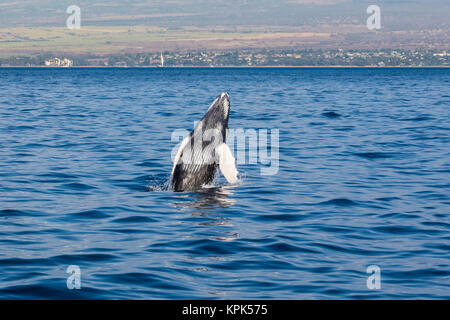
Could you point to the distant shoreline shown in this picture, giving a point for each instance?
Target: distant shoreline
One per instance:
(213, 67)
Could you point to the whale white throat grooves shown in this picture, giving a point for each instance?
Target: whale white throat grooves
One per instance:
(205, 149)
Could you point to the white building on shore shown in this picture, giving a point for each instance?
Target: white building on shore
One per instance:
(56, 62)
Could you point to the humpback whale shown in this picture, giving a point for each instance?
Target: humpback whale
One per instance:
(204, 150)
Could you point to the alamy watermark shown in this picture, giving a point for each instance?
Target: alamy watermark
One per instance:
(74, 20)
(374, 280)
(374, 21)
(250, 146)
(74, 280)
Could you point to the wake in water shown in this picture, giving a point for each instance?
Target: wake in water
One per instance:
(207, 198)
(161, 182)
(213, 195)
(158, 182)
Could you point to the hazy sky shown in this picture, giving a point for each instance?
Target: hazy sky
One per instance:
(404, 14)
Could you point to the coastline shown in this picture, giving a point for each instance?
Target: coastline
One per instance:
(218, 67)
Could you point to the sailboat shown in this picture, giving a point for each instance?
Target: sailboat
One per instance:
(162, 60)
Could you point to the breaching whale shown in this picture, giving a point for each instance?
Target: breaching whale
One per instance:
(204, 150)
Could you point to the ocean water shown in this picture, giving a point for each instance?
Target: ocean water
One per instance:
(362, 179)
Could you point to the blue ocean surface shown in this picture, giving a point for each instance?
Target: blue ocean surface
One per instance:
(362, 179)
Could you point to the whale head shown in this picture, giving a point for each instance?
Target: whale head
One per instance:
(217, 115)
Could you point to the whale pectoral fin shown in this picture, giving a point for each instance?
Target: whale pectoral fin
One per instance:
(227, 163)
